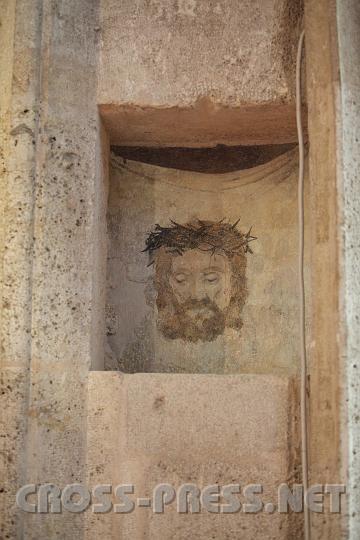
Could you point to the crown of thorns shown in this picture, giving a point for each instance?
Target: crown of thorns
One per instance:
(208, 236)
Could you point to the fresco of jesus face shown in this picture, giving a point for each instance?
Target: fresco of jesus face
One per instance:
(198, 294)
(199, 278)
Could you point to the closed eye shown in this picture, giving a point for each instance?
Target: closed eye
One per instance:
(212, 278)
(180, 278)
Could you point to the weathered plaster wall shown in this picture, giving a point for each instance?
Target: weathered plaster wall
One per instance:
(264, 198)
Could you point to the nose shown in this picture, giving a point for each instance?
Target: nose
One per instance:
(197, 291)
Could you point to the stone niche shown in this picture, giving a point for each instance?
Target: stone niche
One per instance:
(217, 406)
(202, 354)
(215, 290)
(207, 136)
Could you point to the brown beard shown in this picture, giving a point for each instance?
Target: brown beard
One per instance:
(185, 323)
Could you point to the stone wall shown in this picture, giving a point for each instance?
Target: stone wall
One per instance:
(51, 292)
(195, 73)
(159, 73)
(195, 429)
(349, 43)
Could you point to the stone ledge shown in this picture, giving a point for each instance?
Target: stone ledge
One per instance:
(148, 429)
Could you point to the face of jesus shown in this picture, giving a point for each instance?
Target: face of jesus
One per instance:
(199, 293)
(194, 299)
(200, 281)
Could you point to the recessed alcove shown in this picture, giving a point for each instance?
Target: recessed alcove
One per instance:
(159, 191)
(193, 189)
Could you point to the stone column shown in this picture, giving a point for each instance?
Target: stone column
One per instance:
(348, 27)
(332, 65)
(20, 38)
(54, 252)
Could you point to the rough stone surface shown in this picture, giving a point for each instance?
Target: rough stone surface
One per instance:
(19, 60)
(349, 44)
(195, 73)
(201, 429)
(67, 288)
(172, 53)
(53, 202)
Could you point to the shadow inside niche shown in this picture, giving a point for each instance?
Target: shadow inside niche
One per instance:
(218, 159)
